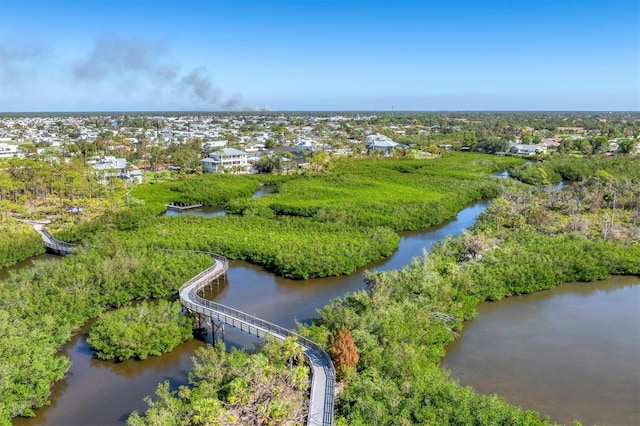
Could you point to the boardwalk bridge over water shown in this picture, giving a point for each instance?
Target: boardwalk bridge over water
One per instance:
(213, 316)
(53, 246)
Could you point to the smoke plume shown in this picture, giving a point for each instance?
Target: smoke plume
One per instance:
(149, 64)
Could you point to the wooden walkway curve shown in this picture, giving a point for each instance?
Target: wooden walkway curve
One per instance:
(54, 246)
(321, 403)
(322, 391)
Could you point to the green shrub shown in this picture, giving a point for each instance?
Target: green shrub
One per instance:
(148, 329)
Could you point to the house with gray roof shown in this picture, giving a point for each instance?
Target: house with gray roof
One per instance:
(111, 167)
(229, 159)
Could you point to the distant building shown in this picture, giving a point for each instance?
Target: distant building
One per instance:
(522, 149)
(305, 144)
(8, 151)
(111, 167)
(381, 142)
(256, 147)
(227, 159)
(213, 145)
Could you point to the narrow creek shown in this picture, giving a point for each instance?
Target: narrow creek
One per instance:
(105, 393)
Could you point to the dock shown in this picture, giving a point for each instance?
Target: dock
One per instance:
(180, 207)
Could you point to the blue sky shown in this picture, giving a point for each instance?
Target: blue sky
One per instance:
(93, 55)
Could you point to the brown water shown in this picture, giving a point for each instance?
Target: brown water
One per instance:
(29, 263)
(213, 211)
(104, 393)
(570, 353)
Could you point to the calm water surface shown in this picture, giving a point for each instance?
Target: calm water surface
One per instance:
(29, 263)
(570, 353)
(217, 210)
(104, 393)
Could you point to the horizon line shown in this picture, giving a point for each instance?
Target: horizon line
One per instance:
(304, 111)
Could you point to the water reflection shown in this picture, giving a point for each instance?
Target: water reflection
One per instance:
(104, 393)
(571, 353)
(202, 211)
(26, 264)
(214, 211)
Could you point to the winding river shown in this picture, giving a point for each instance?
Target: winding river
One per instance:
(104, 393)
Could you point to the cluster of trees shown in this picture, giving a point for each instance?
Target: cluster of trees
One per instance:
(282, 245)
(35, 189)
(400, 194)
(576, 170)
(147, 329)
(31, 187)
(19, 242)
(348, 216)
(267, 387)
(42, 306)
(209, 189)
(398, 380)
(124, 260)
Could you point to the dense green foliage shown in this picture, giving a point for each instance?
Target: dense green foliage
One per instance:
(124, 260)
(29, 364)
(268, 387)
(147, 329)
(345, 215)
(575, 170)
(19, 242)
(529, 262)
(522, 243)
(401, 194)
(210, 189)
(525, 242)
(280, 245)
(35, 189)
(41, 307)
(28, 185)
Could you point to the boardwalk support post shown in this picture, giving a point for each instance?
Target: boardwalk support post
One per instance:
(217, 315)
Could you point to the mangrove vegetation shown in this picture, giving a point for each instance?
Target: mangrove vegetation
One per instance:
(140, 331)
(387, 341)
(393, 334)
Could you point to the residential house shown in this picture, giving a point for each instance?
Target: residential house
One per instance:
(256, 147)
(382, 143)
(111, 167)
(226, 159)
(522, 149)
(8, 151)
(305, 144)
(209, 146)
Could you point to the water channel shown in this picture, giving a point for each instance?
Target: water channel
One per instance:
(571, 353)
(104, 393)
(213, 211)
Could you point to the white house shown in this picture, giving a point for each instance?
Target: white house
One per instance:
(228, 158)
(305, 144)
(522, 149)
(8, 151)
(209, 145)
(256, 147)
(381, 142)
(110, 167)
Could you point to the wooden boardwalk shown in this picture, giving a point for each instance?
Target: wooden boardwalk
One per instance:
(54, 246)
(180, 208)
(323, 373)
(322, 391)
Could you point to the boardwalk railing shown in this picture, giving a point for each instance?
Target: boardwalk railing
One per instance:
(58, 247)
(323, 380)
